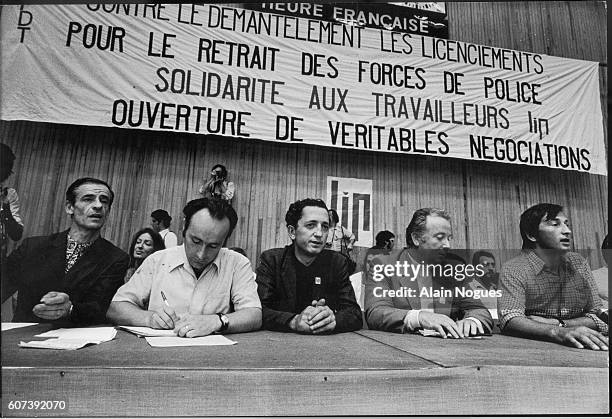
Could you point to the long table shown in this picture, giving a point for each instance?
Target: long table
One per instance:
(269, 373)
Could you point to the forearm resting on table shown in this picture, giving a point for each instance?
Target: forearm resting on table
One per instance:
(524, 327)
(244, 320)
(581, 321)
(127, 313)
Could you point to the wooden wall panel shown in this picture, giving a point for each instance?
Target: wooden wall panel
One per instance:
(150, 170)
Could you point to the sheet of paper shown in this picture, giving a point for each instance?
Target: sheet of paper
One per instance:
(147, 331)
(58, 343)
(9, 326)
(88, 334)
(434, 333)
(168, 342)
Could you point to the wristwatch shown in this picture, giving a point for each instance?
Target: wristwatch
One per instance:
(224, 322)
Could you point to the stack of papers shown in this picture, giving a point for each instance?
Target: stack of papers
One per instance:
(435, 333)
(71, 339)
(167, 342)
(141, 331)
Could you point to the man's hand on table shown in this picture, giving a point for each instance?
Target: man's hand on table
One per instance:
(316, 318)
(193, 325)
(440, 323)
(581, 337)
(470, 327)
(53, 305)
(322, 318)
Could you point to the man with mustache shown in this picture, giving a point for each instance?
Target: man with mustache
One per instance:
(428, 237)
(549, 292)
(69, 277)
(304, 287)
(197, 288)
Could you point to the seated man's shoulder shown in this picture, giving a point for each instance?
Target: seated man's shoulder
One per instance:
(274, 254)
(520, 261)
(112, 251)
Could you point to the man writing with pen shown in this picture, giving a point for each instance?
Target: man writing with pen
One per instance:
(195, 289)
(303, 287)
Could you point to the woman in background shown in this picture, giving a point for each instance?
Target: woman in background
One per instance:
(145, 243)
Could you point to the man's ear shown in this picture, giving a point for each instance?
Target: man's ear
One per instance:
(415, 239)
(291, 231)
(69, 208)
(531, 238)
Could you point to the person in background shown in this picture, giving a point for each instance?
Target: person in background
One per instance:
(71, 276)
(339, 239)
(11, 225)
(160, 222)
(548, 292)
(144, 243)
(489, 281)
(217, 185)
(385, 240)
(601, 275)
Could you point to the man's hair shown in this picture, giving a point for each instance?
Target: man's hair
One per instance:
(476, 257)
(333, 214)
(158, 242)
(7, 158)
(71, 191)
(383, 237)
(294, 213)
(162, 216)
(531, 218)
(217, 208)
(419, 219)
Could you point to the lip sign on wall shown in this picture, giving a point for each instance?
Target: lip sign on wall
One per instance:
(352, 199)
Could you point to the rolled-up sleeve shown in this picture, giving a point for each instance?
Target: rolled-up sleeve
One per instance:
(138, 289)
(244, 288)
(511, 303)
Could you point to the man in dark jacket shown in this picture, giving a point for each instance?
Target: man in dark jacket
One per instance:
(303, 287)
(69, 277)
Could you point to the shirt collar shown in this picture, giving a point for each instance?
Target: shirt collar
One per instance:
(181, 260)
(539, 265)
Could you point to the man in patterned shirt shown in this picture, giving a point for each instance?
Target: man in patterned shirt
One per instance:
(69, 277)
(548, 292)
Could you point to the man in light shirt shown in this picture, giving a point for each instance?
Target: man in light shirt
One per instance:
(400, 302)
(197, 288)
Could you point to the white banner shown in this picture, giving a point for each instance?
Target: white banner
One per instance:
(212, 69)
(352, 200)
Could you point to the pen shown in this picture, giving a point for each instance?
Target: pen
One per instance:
(164, 298)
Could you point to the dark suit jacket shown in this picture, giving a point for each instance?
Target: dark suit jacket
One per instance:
(276, 285)
(37, 267)
(388, 313)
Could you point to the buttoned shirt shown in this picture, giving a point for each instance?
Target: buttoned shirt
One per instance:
(529, 287)
(227, 284)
